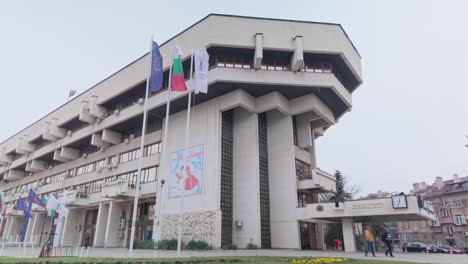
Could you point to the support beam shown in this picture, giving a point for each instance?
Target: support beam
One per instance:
(58, 157)
(348, 234)
(111, 137)
(96, 140)
(297, 59)
(14, 175)
(36, 166)
(84, 114)
(57, 131)
(258, 57)
(96, 110)
(46, 135)
(69, 153)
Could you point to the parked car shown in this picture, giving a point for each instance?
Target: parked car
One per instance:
(416, 247)
(452, 250)
(437, 249)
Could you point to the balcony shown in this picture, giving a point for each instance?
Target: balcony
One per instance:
(81, 199)
(117, 188)
(316, 180)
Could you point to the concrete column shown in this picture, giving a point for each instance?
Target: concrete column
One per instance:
(64, 229)
(108, 228)
(348, 234)
(33, 228)
(246, 179)
(283, 186)
(99, 236)
(114, 235)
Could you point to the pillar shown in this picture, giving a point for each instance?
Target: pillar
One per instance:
(348, 234)
(108, 227)
(101, 223)
(246, 179)
(7, 227)
(283, 186)
(114, 234)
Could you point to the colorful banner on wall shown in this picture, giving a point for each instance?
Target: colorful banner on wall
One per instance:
(192, 181)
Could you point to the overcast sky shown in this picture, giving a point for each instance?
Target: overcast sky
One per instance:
(409, 117)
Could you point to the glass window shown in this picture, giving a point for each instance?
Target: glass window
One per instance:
(405, 225)
(457, 204)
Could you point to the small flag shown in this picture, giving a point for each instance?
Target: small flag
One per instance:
(71, 93)
(156, 79)
(201, 70)
(177, 78)
(22, 207)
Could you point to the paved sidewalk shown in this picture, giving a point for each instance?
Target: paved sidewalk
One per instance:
(123, 253)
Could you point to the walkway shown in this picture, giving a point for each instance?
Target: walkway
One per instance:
(122, 253)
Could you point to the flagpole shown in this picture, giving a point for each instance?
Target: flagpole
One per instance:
(140, 160)
(162, 164)
(184, 170)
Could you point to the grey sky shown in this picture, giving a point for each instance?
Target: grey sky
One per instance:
(409, 118)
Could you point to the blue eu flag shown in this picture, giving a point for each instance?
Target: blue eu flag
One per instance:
(20, 205)
(156, 79)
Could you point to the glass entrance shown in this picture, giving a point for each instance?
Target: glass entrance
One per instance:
(308, 239)
(89, 227)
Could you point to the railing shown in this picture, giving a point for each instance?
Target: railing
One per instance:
(24, 245)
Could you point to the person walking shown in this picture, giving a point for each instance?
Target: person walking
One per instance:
(369, 241)
(87, 241)
(387, 239)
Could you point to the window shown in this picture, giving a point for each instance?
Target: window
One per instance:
(152, 149)
(444, 213)
(459, 219)
(294, 120)
(303, 170)
(457, 204)
(422, 223)
(450, 230)
(435, 222)
(86, 169)
(407, 237)
(405, 225)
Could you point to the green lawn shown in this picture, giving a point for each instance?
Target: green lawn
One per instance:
(217, 260)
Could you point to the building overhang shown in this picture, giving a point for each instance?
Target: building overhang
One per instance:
(369, 210)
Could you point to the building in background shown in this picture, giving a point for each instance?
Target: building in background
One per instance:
(450, 201)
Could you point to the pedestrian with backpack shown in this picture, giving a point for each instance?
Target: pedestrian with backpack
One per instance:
(387, 239)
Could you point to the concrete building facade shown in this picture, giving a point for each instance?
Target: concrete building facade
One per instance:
(275, 86)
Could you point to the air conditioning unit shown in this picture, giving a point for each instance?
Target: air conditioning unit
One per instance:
(239, 223)
(105, 114)
(98, 120)
(69, 133)
(99, 169)
(109, 166)
(116, 112)
(415, 229)
(465, 233)
(126, 140)
(115, 164)
(141, 101)
(132, 136)
(122, 223)
(84, 156)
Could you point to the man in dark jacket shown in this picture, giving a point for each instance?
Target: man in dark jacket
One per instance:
(387, 239)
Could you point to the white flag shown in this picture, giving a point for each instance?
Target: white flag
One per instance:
(201, 70)
(53, 203)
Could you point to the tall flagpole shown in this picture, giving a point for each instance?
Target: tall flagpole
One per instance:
(140, 159)
(184, 171)
(162, 164)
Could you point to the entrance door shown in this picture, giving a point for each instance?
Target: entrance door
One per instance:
(308, 239)
(89, 226)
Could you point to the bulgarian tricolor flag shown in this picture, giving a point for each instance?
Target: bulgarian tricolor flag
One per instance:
(177, 78)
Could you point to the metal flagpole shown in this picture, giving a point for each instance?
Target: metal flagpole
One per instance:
(140, 159)
(165, 144)
(184, 170)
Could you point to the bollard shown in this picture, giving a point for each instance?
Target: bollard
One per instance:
(1, 249)
(81, 252)
(76, 252)
(87, 252)
(24, 249)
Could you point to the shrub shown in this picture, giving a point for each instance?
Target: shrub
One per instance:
(252, 246)
(230, 247)
(168, 244)
(197, 245)
(143, 244)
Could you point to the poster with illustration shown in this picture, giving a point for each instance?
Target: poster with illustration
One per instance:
(191, 181)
